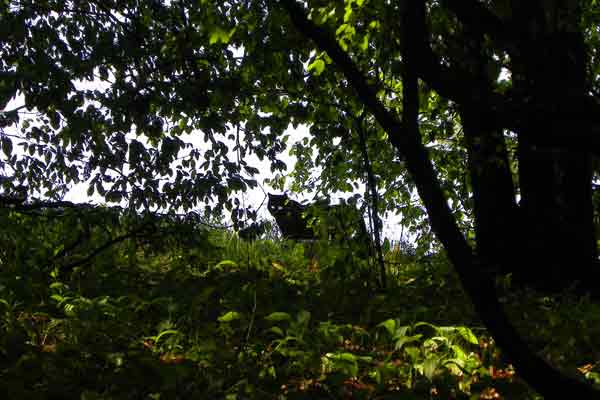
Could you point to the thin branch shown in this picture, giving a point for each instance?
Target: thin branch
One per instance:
(374, 197)
(13, 110)
(105, 246)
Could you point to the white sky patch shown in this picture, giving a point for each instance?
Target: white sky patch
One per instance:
(505, 75)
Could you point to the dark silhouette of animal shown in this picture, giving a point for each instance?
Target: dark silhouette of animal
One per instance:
(319, 220)
(290, 217)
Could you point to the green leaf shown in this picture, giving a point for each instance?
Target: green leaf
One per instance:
(165, 333)
(220, 35)
(278, 316)
(318, 66)
(402, 340)
(594, 377)
(226, 263)
(468, 335)
(389, 325)
(230, 316)
(58, 298)
(345, 363)
(348, 12)
(430, 365)
(303, 317)
(277, 330)
(58, 249)
(349, 357)
(58, 286)
(364, 44)
(344, 45)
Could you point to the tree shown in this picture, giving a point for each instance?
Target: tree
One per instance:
(433, 79)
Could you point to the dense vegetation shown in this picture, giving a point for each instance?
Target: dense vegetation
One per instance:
(476, 121)
(181, 311)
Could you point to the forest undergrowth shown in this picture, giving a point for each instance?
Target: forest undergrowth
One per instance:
(192, 313)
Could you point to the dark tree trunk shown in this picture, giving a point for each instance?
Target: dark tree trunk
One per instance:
(557, 214)
(555, 182)
(495, 209)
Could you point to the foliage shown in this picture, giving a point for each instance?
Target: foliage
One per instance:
(457, 102)
(254, 322)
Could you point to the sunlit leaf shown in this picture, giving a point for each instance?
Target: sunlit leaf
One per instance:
(278, 316)
(430, 366)
(165, 333)
(317, 67)
(389, 325)
(220, 35)
(467, 334)
(229, 316)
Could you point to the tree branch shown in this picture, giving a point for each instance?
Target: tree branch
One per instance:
(19, 204)
(105, 246)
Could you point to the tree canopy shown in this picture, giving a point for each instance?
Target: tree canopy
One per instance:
(487, 109)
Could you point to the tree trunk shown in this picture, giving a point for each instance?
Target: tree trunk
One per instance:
(555, 182)
(556, 201)
(495, 208)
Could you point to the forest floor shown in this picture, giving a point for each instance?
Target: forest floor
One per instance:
(237, 320)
